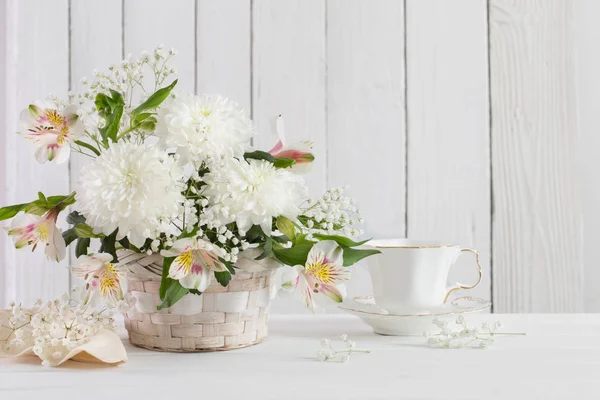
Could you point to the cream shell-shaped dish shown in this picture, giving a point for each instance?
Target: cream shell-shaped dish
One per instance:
(409, 324)
(105, 347)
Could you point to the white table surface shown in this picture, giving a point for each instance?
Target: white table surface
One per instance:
(558, 359)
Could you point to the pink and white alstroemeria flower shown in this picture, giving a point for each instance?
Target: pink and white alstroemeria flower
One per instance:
(195, 261)
(30, 229)
(51, 131)
(321, 277)
(300, 152)
(101, 277)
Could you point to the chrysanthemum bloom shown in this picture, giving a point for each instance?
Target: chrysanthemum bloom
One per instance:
(254, 192)
(51, 131)
(101, 277)
(135, 188)
(194, 263)
(30, 229)
(321, 277)
(202, 128)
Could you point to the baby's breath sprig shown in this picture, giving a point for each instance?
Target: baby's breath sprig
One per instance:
(328, 353)
(461, 335)
(334, 213)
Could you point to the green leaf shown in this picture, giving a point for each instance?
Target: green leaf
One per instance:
(111, 110)
(259, 155)
(75, 218)
(125, 243)
(69, 236)
(154, 100)
(280, 239)
(141, 117)
(82, 246)
(86, 231)
(35, 208)
(286, 226)
(282, 162)
(352, 256)
(173, 293)
(10, 211)
(341, 240)
(295, 255)
(108, 245)
(112, 125)
(61, 202)
(88, 146)
(267, 249)
(39, 206)
(167, 261)
(255, 234)
(223, 277)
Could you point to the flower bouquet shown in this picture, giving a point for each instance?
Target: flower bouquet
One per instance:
(178, 203)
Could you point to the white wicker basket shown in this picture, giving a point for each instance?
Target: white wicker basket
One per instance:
(222, 318)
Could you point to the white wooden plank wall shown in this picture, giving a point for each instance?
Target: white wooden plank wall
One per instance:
(537, 233)
(587, 37)
(448, 129)
(36, 62)
(469, 121)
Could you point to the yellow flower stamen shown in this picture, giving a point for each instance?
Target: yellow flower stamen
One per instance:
(321, 272)
(109, 280)
(43, 231)
(186, 259)
(57, 120)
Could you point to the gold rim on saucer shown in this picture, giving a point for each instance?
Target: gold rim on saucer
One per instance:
(483, 305)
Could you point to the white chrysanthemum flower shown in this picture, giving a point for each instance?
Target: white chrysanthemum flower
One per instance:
(253, 192)
(135, 188)
(204, 127)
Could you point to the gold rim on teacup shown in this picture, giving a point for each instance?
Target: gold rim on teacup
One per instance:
(407, 244)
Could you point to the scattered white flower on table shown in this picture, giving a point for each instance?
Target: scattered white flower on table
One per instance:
(52, 329)
(253, 192)
(135, 188)
(51, 130)
(202, 128)
(195, 261)
(102, 277)
(30, 229)
(457, 334)
(322, 275)
(333, 214)
(328, 353)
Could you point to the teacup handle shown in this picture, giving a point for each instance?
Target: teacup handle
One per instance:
(460, 286)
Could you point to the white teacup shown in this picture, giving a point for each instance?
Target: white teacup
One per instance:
(411, 276)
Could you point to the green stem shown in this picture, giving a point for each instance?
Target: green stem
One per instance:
(88, 146)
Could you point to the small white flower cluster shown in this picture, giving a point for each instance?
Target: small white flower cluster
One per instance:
(54, 328)
(461, 335)
(128, 79)
(328, 353)
(333, 214)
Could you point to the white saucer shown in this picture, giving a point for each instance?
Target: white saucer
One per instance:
(415, 323)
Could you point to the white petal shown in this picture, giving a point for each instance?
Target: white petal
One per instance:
(198, 280)
(56, 248)
(289, 278)
(61, 154)
(330, 250)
